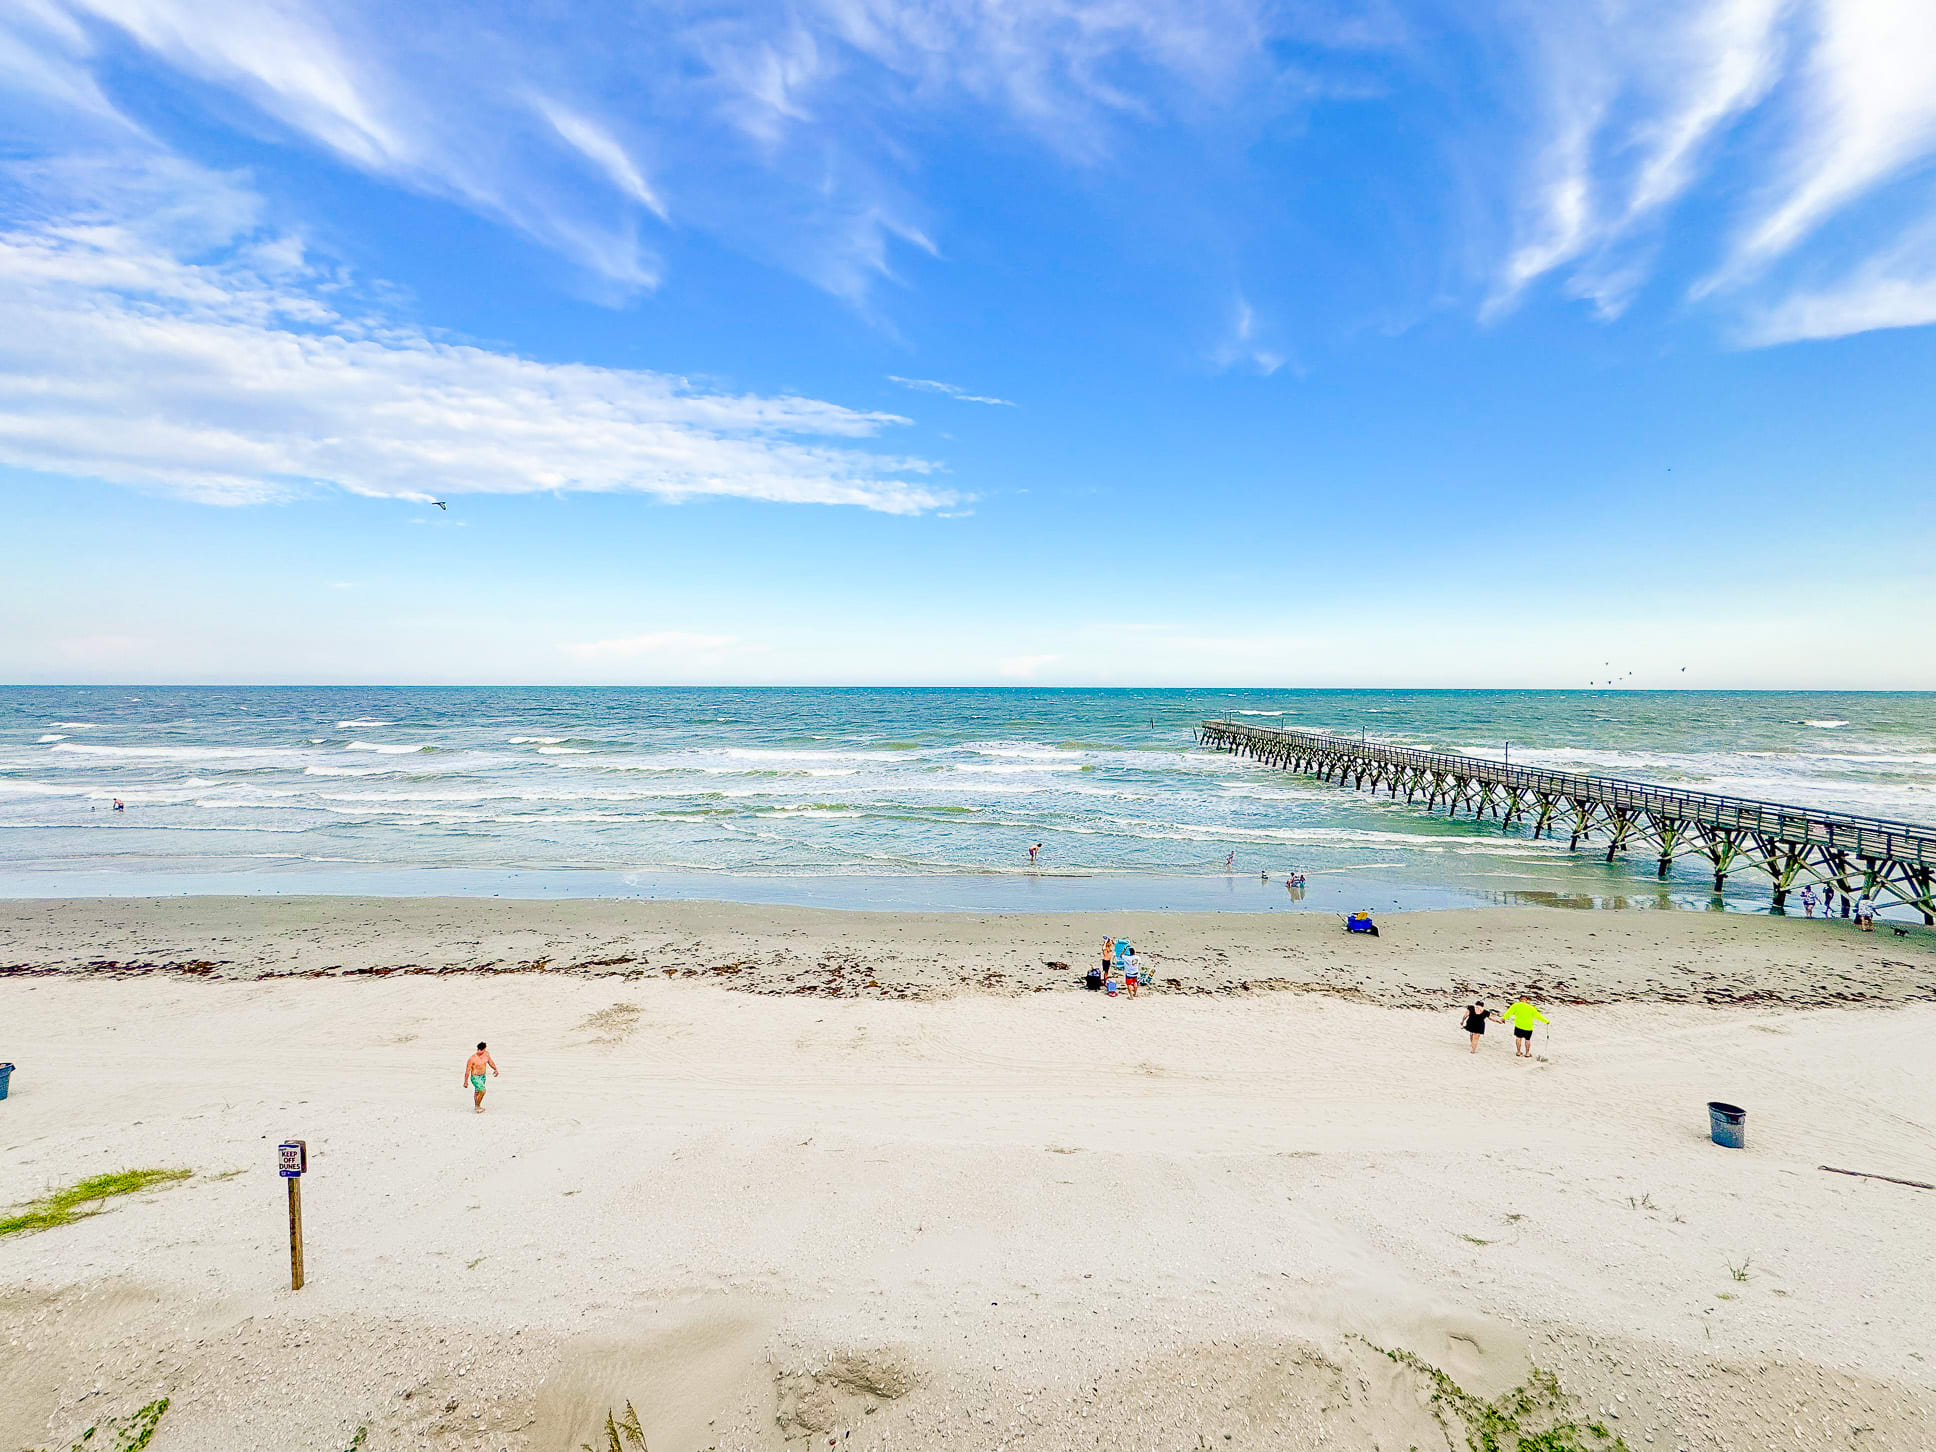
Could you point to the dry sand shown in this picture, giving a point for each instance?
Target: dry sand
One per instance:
(950, 1211)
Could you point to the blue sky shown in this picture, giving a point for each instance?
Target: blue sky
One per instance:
(1080, 341)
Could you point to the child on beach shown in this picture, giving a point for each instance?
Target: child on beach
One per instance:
(1132, 972)
(1808, 901)
(474, 1069)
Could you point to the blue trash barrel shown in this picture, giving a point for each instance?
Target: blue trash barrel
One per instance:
(1728, 1123)
(6, 1073)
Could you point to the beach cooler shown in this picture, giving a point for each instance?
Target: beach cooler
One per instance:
(6, 1073)
(1728, 1124)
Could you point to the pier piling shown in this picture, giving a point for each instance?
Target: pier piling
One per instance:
(1793, 845)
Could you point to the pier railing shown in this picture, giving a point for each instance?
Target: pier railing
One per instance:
(1857, 835)
(1793, 843)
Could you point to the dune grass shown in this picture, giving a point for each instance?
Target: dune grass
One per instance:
(1533, 1417)
(85, 1198)
(619, 1434)
(131, 1435)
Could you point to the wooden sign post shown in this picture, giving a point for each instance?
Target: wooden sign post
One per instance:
(292, 1160)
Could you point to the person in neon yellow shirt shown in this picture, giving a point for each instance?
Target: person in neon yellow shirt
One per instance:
(1522, 1016)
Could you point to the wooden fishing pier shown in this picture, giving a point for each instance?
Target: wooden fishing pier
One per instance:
(1887, 862)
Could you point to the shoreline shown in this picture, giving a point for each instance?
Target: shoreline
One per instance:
(1427, 958)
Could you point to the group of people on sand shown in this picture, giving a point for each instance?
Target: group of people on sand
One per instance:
(1120, 971)
(1521, 1015)
(1862, 908)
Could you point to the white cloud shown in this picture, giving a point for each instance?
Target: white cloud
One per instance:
(599, 147)
(1024, 667)
(1870, 111)
(794, 133)
(232, 380)
(441, 105)
(1630, 101)
(1240, 345)
(1894, 290)
(657, 643)
(960, 395)
(781, 129)
(1817, 107)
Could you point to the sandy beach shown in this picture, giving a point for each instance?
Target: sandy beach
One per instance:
(781, 1177)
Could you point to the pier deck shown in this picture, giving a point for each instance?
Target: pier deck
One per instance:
(1889, 862)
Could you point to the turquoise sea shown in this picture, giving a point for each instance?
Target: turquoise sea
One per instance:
(873, 798)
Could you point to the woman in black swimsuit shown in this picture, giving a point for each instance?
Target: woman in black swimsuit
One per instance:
(1475, 1023)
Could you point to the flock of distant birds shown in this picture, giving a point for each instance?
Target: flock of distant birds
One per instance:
(1626, 676)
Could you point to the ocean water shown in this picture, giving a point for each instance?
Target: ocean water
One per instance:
(888, 798)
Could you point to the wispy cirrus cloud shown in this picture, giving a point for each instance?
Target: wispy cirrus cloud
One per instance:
(1743, 149)
(1867, 112)
(233, 373)
(1895, 288)
(947, 390)
(1631, 101)
(1778, 117)
(753, 114)
(1242, 344)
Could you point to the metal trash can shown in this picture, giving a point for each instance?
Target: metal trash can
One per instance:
(6, 1073)
(1728, 1124)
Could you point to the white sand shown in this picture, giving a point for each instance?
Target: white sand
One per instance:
(985, 1220)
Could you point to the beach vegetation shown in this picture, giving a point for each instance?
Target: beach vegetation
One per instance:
(1739, 1272)
(621, 1434)
(1534, 1416)
(84, 1198)
(131, 1434)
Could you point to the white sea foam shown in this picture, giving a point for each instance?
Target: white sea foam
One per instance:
(1265, 713)
(75, 725)
(1012, 768)
(182, 753)
(365, 721)
(49, 737)
(536, 740)
(564, 751)
(1826, 725)
(386, 750)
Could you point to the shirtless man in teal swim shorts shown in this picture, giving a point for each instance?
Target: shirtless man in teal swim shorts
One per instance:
(474, 1074)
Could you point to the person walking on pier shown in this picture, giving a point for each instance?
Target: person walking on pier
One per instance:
(1522, 1016)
